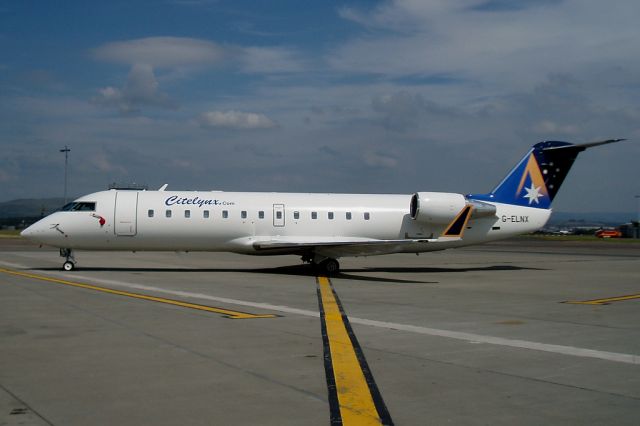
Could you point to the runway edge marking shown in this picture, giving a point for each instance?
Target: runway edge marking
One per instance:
(225, 312)
(354, 398)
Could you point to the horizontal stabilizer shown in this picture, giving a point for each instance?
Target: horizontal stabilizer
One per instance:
(583, 146)
(482, 209)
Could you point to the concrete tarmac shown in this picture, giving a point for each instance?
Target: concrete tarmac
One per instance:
(472, 336)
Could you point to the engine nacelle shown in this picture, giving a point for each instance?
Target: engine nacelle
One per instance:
(436, 207)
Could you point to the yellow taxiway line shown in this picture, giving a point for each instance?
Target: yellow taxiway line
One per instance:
(226, 312)
(604, 301)
(353, 395)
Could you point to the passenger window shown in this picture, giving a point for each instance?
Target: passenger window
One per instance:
(205, 214)
(243, 214)
(150, 213)
(225, 214)
(348, 215)
(167, 213)
(260, 214)
(314, 215)
(187, 214)
(296, 215)
(330, 215)
(367, 216)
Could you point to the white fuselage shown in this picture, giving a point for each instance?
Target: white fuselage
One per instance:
(234, 221)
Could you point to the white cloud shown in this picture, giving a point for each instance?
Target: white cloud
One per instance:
(270, 60)
(179, 58)
(376, 159)
(399, 110)
(141, 89)
(552, 128)
(103, 162)
(145, 55)
(5, 177)
(177, 52)
(489, 45)
(161, 51)
(235, 120)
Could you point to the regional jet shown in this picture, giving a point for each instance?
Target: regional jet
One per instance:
(321, 228)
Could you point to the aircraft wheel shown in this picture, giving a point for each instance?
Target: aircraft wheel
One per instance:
(68, 266)
(330, 266)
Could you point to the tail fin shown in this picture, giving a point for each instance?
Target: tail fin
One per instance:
(536, 179)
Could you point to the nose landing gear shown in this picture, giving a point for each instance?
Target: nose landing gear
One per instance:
(70, 262)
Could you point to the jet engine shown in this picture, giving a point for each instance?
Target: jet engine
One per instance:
(436, 207)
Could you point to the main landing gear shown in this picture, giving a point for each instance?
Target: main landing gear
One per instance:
(70, 262)
(329, 266)
(324, 265)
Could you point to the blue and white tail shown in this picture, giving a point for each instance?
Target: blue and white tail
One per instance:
(536, 179)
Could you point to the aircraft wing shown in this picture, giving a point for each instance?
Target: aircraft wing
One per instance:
(340, 246)
(354, 246)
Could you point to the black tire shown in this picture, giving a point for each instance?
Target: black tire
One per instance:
(330, 266)
(68, 266)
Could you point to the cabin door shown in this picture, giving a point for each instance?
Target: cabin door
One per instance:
(278, 215)
(126, 213)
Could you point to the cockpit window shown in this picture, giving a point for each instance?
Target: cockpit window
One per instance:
(80, 206)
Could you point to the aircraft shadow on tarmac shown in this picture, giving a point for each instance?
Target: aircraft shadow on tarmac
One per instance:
(422, 270)
(310, 271)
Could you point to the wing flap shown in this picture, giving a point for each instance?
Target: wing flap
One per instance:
(290, 243)
(336, 247)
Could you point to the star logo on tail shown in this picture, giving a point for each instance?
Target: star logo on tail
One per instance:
(533, 194)
(532, 186)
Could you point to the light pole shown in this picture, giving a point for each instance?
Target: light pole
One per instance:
(66, 151)
(636, 230)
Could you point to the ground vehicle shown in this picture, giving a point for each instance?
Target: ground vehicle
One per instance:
(608, 233)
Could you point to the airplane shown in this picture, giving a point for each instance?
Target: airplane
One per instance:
(321, 228)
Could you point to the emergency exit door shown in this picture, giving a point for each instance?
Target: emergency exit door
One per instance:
(278, 215)
(126, 213)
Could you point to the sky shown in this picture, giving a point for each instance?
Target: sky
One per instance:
(330, 96)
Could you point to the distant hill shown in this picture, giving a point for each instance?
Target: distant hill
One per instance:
(29, 207)
(590, 219)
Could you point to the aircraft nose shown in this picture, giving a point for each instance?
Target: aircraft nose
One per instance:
(38, 232)
(28, 232)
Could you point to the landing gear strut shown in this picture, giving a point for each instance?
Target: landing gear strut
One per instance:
(70, 262)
